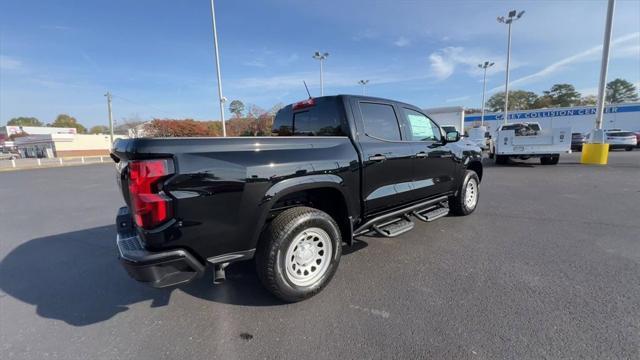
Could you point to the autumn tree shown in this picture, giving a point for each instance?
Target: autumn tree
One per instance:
(620, 90)
(177, 128)
(275, 108)
(24, 121)
(66, 121)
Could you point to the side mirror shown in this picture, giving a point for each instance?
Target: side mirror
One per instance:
(452, 136)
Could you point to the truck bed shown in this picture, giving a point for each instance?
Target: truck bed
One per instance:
(548, 141)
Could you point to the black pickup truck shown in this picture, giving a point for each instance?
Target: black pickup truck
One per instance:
(336, 167)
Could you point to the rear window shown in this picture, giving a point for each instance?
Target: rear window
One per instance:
(324, 118)
(621, 133)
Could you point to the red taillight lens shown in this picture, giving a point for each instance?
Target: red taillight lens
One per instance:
(304, 104)
(150, 207)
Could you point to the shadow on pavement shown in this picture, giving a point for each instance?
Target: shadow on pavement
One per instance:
(76, 277)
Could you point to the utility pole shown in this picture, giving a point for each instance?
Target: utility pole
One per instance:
(511, 17)
(484, 66)
(604, 67)
(596, 150)
(321, 56)
(364, 86)
(109, 96)
(221, 98)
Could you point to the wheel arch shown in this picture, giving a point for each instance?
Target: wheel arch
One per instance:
(323, 192)
(476, 166)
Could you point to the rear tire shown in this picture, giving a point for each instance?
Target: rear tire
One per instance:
(466, 201)
(501, 159)
(628, 148)
(298, 253)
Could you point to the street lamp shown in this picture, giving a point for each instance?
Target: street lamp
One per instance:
(221, 98)
(513, 16)
(484, 66)
(364, 85)
(321, 56)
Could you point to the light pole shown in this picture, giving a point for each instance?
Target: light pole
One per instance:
(221, 98)
(596, 151)
(109, 96)
(364, 85)
(321, 56)
(604, 66)
(484, 66)
(511, 17)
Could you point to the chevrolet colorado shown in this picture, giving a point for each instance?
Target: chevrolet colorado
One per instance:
(335, 168)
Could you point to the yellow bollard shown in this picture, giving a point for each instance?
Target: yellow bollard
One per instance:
(595, 154)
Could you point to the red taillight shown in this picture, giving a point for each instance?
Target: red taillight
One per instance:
(150, 207)
(304, 104)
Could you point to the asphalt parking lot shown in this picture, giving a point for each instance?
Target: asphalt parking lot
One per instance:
(547, 267)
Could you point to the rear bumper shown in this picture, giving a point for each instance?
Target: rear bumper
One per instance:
(158, 269)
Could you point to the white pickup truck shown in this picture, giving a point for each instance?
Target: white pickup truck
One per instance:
(525, 140)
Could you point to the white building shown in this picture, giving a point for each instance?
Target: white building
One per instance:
(9, 130)
(450, 115)
(64, 145)
(579, 118)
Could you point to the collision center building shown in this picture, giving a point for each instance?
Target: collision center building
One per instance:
(580, 119)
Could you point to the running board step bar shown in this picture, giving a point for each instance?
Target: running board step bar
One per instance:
(394, 227)
(429, 215)
(367, 226)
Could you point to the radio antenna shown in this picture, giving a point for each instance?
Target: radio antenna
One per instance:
(306, 87)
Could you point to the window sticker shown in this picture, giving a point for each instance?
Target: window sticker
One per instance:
(420, 127)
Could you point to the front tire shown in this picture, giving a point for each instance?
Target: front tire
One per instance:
(466, 200)
(550, 160)
(299, 253)
(501, 159)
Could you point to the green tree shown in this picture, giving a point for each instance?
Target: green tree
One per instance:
(563, 95)
(236, 107)
(542, 102)
(66, 121)
(24, 121)
(620, 90)
(588, 100)
(99, 129)
(518, 100)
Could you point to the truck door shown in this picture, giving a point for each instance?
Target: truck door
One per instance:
(434, 162)
(387, 160)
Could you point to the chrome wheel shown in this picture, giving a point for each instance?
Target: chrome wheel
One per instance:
(308, 256)
(471, 194)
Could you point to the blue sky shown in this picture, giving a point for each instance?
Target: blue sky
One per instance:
(156, 57)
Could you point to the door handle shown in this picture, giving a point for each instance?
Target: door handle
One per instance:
(422, 154)
(377, 157)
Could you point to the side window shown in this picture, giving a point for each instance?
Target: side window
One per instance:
(380, 121)
(421, 128)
